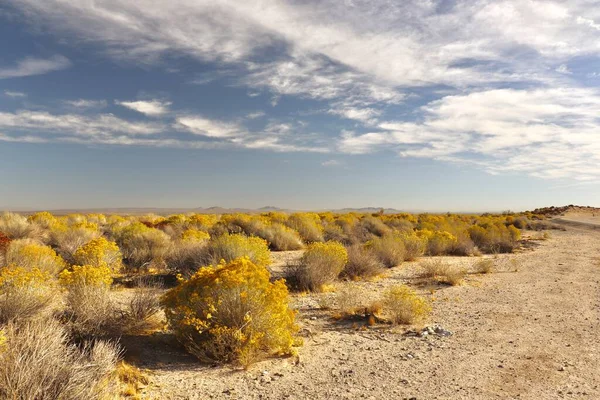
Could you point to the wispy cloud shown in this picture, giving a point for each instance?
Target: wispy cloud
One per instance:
(34, 66)
(209, 128)
(331, 163)
(10, 93)
(86, 104)
(255, 115)
(151, 108)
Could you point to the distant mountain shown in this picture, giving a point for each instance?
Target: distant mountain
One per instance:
(367, 210)
(269, 209)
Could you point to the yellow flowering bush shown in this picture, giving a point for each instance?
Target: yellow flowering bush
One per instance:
(29, 254)
(414, 246)
(86, 275)
(231, 313)
(320, 265)
(404, 306)
(24, 292)
(194, 235)
(99, 253)
(202, 221)
(308, 225)
(438, 242)
(141, 245)
(43, 219)
(229, 247)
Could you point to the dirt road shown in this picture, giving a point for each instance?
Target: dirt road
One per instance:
(530, 334)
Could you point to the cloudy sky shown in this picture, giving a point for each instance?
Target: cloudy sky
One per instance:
(421, 105)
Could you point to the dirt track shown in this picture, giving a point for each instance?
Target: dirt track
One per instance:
(530, 334)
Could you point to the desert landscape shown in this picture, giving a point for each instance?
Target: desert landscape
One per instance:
(284, 199)
(351, 305)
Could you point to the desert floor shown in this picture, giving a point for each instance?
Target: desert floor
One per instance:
(530, 330)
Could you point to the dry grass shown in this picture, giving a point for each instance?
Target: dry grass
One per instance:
(39, 363)
(132, 380)
(443, 272)
(485, 266)
(91, 312)
(143, 309)
(16, 226)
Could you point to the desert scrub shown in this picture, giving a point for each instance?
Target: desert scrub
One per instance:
(231, 313)
(67, 236)
(29, 254)
(90, 310)
(24, 293)
(38, 362)
(484, 266)
(86, 275)
(142, 247)
(362, 263)
(403, 306)
(495, 237)
(443, 272)
(194, 235)
(389, 249)
(16, 226)
(229, 247)
(308, 225)
(320, 265)
(414, 246)
(4, 242)
(438, 242)
(99, 253)
(282, 238)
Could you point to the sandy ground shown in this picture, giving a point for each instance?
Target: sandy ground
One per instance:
(529, 331)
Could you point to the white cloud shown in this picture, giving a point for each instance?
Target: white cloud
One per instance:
(43, 127)
(255, 115)
(152, 108)
(74, 124)
(563, 69)
(546, 133)
(10, 93)
(331, 163)
(86, 104)
(34, 66)
(209, 128)
(359, 114)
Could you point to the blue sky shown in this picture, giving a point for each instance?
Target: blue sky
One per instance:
(428, 105)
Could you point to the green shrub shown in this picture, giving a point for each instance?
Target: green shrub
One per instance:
(231, 313)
